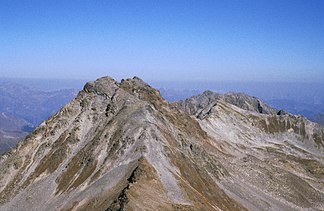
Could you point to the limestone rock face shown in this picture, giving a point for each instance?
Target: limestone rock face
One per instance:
(121, 146)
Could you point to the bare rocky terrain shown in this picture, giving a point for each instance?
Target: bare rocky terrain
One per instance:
(121, 146)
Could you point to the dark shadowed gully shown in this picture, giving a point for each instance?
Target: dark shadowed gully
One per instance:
(121, 146)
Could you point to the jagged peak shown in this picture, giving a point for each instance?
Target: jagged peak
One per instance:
(105, 85)
(134, 83)
(208, 92)
(136, 86)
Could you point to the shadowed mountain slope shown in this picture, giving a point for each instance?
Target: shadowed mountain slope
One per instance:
(121, 146)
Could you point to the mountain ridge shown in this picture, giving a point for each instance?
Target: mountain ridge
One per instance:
(121, 146)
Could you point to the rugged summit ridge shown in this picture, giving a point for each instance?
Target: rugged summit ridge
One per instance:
(196, 104)
(274, 121)
(121, 146)
(91, 153)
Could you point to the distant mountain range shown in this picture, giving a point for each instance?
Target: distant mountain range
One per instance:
(12, 130)
(30, 104)
(313, 111)
(23, 108)
(319, 118)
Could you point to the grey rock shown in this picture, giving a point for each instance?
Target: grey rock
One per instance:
(121, 146)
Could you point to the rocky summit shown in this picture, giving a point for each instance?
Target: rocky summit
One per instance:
(121, 146)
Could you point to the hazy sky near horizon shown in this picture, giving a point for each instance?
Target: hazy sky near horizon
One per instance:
(245, 40)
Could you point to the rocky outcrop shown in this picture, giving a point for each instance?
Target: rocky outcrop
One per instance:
(195, 105)
(274, 122)
(121, 146)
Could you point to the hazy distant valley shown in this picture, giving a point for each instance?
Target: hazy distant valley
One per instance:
(23, 108)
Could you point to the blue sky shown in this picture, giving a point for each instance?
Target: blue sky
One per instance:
(244, 40)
